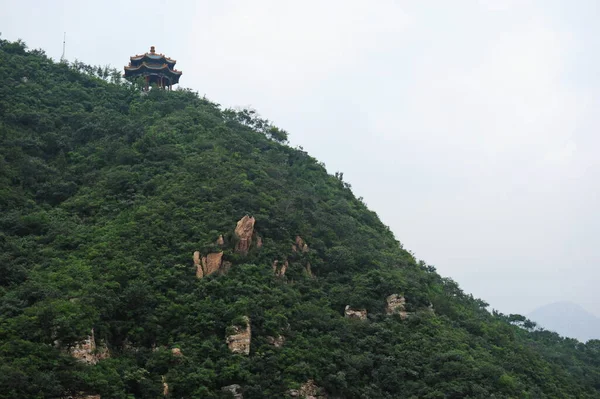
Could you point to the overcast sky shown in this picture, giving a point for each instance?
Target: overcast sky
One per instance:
(470, 127)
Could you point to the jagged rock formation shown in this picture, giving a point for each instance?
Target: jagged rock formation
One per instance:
(220, 241)
(235, 390)
(277, 341)
(87, 351)
(210, 264)
(396, 305)
(299, 245)
(239, 341)
(350, 313)
(308, 390)
(244, 231)
(279, 271)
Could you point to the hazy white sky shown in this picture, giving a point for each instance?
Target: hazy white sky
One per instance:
(470, 127)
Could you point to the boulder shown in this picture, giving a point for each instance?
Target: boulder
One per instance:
(308, 390)
(235, 390)
(350, 313)
(176, 352)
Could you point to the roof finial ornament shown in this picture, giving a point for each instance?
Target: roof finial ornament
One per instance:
(152, 49)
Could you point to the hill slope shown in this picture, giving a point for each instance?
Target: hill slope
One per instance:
(107, 194)
(567, 319)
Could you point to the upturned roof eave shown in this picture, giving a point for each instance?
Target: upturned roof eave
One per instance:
(146, 66)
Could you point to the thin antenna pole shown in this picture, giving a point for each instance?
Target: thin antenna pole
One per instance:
(62, 57)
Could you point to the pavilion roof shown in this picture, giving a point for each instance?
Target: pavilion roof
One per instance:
(152, 55)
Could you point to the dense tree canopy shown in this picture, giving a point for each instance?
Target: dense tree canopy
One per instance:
(105, 193)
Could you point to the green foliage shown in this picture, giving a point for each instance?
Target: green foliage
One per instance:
(104, 195)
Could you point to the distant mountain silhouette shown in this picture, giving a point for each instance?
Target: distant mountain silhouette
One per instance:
(567, 319)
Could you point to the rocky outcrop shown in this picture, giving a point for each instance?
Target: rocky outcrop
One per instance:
(176, 352)
(277, 341)
(259, 242)
(235, 390)
(309, 270)
(165, 386)
(88, 352)
(279, 270)
(198, 264)
(350, 313)
(209, 264)
(396, 305)
(244, 231)
(220, 241)
(299, 245)
(239, 340)
(308, 390)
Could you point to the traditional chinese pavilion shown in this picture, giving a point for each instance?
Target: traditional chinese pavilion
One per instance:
(156, 68)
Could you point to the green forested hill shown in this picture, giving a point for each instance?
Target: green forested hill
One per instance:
(105, 195)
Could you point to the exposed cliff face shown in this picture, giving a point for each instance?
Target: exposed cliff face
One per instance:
(235, 390)
(279, 270)
(350, 313)
(308, 390)
(88, 352)
(244, 231)
(239, 341)
(210, 264)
